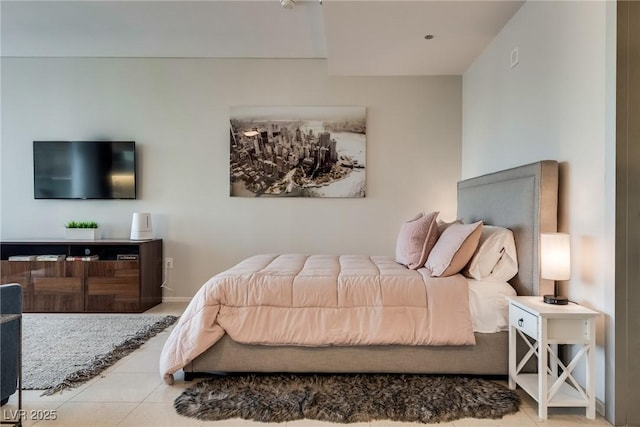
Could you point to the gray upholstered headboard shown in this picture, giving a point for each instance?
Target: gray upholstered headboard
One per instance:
(523, 199)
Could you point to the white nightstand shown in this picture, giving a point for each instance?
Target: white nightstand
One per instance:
(549, 325)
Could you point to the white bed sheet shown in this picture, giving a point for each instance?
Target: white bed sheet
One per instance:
(489, 306)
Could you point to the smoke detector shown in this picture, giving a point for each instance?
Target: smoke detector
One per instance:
(288, 4)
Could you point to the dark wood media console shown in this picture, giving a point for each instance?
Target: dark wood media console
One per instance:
(103, 285)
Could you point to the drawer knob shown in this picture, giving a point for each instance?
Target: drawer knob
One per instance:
(520, 322)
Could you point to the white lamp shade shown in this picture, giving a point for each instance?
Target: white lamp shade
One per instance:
(141, 226)
(555, 256)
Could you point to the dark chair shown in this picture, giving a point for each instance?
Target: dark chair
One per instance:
(10, 303)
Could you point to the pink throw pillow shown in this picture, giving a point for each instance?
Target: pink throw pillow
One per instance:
(416, 239)
(442, 225)
(454, 249)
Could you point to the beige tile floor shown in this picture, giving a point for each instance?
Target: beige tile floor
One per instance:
(131, 393)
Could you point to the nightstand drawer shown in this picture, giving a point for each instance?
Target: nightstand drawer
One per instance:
(523, 320)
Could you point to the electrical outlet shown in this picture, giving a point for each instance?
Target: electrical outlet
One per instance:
(514, 57)
(168, 263)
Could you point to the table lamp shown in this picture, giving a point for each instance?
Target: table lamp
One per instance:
(555, 263)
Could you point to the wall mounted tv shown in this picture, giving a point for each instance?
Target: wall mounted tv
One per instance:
(84, 169)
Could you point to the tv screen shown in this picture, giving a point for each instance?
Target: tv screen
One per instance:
(84, 169)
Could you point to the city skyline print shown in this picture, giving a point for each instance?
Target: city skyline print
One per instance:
(301, 151)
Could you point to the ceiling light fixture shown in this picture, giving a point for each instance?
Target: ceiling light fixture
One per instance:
(288, 4)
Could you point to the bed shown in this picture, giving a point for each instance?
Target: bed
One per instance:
(522, 199)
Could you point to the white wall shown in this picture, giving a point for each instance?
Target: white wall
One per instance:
(177, 111)
(557, 103)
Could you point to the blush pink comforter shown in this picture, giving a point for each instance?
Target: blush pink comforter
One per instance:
(321, 300)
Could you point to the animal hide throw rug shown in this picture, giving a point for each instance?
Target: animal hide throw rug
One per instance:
(346, 398)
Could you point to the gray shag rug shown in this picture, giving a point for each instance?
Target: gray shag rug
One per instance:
(62, 351)
(346, 398)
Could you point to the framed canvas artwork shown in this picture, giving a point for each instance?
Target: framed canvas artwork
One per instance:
(298, 151)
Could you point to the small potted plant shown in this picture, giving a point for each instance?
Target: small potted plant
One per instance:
(82, 230)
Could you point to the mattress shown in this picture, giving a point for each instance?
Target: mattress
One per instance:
(489, 306)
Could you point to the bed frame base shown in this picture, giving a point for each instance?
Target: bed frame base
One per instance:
(230, 356)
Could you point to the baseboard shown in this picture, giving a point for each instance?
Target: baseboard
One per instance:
(176, 299)
(600, 409)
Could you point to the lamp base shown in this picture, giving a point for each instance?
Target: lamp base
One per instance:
(555, 299)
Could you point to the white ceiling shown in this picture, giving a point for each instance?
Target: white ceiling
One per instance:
(357, 37)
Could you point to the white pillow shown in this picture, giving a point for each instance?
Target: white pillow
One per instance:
(495, 258)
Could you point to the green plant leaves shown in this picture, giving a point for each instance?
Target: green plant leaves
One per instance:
(82, 224)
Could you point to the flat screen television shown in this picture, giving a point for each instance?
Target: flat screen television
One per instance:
(84, 169)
